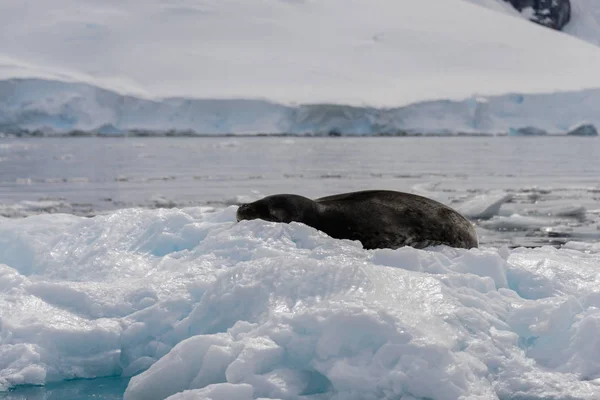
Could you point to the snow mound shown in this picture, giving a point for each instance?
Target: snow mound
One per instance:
(194, 305)
(377, 53)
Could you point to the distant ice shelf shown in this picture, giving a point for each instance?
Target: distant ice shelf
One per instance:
(55, 107)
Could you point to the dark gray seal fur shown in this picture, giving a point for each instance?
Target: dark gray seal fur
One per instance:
(377, 218)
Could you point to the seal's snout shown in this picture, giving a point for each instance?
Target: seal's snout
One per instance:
(242, 212)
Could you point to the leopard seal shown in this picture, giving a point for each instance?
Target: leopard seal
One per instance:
(376, 218)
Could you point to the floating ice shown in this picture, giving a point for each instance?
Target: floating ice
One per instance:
(517, 222)
(583, 246)
(26, 207)
(574, 211)
(484, 206)
(194, 305)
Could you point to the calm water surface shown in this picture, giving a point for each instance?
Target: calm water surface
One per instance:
(86, 176)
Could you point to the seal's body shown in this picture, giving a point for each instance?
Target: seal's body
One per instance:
(377, 218)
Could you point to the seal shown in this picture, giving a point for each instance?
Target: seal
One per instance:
(376, 218)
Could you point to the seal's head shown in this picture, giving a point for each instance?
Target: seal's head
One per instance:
(279, 208)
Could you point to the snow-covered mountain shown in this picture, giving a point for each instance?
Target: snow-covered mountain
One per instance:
(143, 63)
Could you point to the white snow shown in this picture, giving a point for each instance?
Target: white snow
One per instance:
(584, 23)
(497, 5)
(382, 53)
(585, 20)
(236, 66)
(196, 306)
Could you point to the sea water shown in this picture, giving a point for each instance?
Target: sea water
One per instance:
(551, 180)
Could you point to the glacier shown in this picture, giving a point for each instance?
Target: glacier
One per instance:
(55, 107)
(193, 305)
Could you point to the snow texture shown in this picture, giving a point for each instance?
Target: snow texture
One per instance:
(196, 306)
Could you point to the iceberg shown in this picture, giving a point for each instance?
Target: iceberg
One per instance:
(191, 304)
(484, 206)
(584, 130)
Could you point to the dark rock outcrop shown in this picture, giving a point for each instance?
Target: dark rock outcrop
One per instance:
(554, 14)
